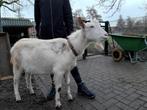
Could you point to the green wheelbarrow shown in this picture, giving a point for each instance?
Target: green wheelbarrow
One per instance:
(128, 47)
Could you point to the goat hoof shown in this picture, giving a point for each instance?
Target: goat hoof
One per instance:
(18, 101)
(58, 107)
(71, 100)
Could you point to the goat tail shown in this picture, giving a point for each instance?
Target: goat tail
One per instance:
(14, 55)
(12, 60)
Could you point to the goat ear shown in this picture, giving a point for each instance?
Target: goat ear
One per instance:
(81, 23)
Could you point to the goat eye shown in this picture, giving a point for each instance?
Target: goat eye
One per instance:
(91, 26)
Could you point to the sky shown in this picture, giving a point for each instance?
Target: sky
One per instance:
(132, 8)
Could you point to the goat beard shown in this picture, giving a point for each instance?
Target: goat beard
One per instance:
(99, 46)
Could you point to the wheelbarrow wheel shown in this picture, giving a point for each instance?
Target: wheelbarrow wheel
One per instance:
(117, 55)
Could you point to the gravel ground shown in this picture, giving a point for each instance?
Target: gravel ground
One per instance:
(7, 99)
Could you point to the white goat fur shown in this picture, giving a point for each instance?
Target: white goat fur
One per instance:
(36, 56)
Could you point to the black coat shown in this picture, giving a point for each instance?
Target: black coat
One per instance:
(53, 18)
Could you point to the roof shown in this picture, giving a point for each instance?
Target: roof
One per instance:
(16, 22)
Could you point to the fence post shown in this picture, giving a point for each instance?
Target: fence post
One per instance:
(106, 42)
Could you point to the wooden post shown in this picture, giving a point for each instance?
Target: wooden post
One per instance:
(5, 66)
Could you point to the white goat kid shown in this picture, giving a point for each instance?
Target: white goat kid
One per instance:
(57, 56)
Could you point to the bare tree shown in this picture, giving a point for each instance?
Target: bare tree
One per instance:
(110, 5)
(6, 4)
(130, 25)
(145, 24)
(31, 2)
(78, 13)
(93, 14)
(14, 6)
(18, 7)
(25, 4)
(120, 25)
(138, 27)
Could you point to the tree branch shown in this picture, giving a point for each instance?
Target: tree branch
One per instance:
(30, 2)
(9, 8)
(110, 5)
(8, 3)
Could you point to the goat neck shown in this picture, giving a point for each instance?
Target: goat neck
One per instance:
(78, 40)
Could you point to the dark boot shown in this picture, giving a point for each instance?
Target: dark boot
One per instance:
(84, 91)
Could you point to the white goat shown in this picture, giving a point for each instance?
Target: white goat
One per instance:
(57, 56)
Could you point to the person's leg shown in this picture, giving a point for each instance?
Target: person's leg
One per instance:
(84, 54)
(76, 75)
(82, 89)
(52, 91)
